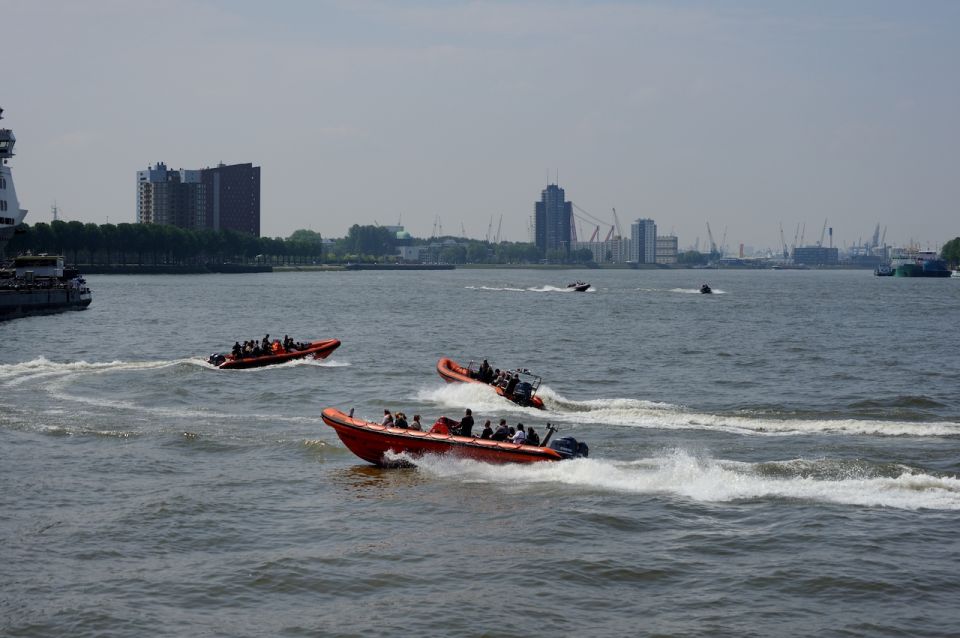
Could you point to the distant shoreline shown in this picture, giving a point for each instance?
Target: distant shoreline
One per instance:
(249, 269)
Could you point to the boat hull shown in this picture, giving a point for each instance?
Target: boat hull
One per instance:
(917, 270)
(453, 372)
(316, 349)
(375, 443)
(41, 301)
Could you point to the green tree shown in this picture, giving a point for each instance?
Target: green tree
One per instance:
(950, 252)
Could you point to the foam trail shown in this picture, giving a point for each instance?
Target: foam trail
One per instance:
(650, 414)
(495, 288)
(41, 368)
(678, 474)
(665, 416)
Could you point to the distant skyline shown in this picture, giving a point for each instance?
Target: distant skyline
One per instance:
(743, 114)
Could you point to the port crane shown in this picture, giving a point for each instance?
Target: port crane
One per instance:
(823, 232)
(783, 242)
(713, 244)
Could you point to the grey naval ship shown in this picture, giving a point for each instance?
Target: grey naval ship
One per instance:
(31, 284)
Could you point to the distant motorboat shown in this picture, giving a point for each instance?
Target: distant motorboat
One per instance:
(706, 290)
(579, 286)
(884, 270)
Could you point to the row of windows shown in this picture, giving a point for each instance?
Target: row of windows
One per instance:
(6, 220)
(3, 204)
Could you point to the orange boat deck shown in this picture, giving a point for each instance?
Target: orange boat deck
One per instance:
(372, 442)
(453, 372)
(316, 349)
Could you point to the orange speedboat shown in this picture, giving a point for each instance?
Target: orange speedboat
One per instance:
(316, 349)
(372, 442)
(524, 391)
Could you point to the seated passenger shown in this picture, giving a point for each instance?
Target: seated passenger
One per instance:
(532, 437)
(416, 425)
(487, 430)
(400, 421)
(501, 433)
(520, 436)
(387, 418)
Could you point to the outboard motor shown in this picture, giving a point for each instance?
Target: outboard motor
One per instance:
(216, 359)
(570, 448)
(523, 392)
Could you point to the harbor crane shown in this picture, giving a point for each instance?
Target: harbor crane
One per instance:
(713, 244)
(783, 242)
(823, 232)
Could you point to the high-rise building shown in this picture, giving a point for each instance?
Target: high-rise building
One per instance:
(221, 198)
(643, 241)
(233, 198)
(553, 215)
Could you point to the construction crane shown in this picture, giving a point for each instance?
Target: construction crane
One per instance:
(783, 241)
(616, 222)
(489, 228)
(803, 233)
(876, 236)
(883, 240)
(713, 244)
(595, 235)
(499, 224)
(723, 242)
(823, 233)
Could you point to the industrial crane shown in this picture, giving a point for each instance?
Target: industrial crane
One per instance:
(783, 242)
(823, 232)
(713, 245)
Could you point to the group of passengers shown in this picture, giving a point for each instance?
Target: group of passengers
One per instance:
(500, 378)
(265, 347)
(523, 435)
(399, 420)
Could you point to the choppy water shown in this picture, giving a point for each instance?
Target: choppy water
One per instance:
(781, 458)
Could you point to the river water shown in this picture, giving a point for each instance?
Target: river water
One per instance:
(779, 458)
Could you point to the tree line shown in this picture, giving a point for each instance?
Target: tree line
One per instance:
(129, 244)
(154, 244)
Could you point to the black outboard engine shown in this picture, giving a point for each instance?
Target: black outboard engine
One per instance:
(570, 448)
(522, 393)
(216, 359)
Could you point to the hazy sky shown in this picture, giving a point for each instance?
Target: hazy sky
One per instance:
(740, 114)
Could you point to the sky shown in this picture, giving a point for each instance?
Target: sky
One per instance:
(743, 115)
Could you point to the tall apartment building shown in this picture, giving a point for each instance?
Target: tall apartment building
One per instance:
(643, 241)
(552, 219)
(221, 198)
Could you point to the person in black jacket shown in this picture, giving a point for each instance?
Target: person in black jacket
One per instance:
(511, 386)
(466, 424)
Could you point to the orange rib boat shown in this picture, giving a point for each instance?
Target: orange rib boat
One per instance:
(372, 441)
(316, 349)
(453, 372)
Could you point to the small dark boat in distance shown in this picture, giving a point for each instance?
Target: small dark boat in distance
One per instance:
(373, 443)
(316, 349)
(524, 391)
(706, 290)
(578, 286)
